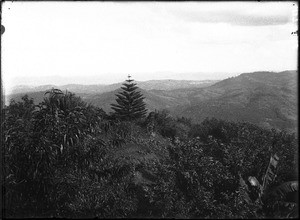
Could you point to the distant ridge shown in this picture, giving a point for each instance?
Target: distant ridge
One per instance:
(268, 99)
(167, 84)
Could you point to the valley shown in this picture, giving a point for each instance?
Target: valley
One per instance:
(268, 99)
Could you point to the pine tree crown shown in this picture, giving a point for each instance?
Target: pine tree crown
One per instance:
(130, 102)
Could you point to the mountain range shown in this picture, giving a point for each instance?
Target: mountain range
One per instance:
(167, 84)
(268, 99)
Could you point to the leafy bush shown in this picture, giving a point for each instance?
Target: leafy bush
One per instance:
(65, 158)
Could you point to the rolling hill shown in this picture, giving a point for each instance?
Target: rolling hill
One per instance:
(268, 99)
(104, 95)
(167, 84)
(264, 98)
(153, 100)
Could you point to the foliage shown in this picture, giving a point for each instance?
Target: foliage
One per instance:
(271, 197)
(38, 140)
(161, 122)
(130, 102)
(65, 158)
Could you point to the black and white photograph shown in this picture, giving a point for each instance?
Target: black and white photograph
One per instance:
(149, 109)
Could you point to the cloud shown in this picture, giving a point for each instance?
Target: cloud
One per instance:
(234, 18)
(241, 15)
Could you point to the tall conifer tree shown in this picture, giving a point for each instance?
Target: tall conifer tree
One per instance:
(131, 103)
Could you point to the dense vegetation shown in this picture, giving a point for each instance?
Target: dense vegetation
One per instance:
(65, 158)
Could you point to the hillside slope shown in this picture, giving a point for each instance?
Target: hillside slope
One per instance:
(153, 101)
(267, 99)
(264, 98)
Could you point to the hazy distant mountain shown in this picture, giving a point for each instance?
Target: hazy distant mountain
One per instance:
(92, 93)
(170, 84)
(265, 98)
(70, 87)
(37, 97)
(101, 88)
(25, 88)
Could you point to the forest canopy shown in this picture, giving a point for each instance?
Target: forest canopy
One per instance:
(67, 158)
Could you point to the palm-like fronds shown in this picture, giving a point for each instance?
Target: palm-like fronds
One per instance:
(270, 174)
(284, 189)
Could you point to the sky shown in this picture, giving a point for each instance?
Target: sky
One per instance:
(102, 42)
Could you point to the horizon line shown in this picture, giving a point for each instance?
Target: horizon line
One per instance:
(10, 90)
